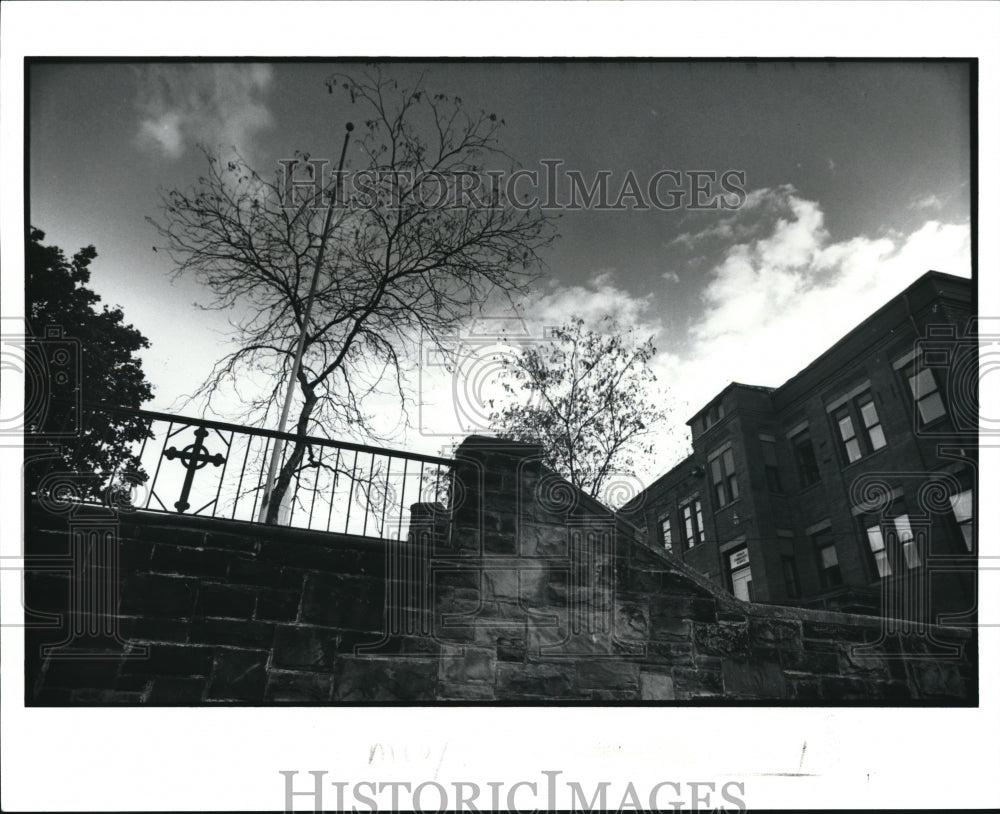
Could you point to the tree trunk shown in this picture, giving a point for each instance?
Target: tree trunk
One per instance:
(292, 464)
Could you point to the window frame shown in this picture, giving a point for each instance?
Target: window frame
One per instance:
(822, 540)
(968, 523)
(801, 441)
(732, 571)
(867, 435)
(666, 532)
(725, 488)
(692, 522)
(789, 568)
(910, 369)
(899, 547)
(772, 472)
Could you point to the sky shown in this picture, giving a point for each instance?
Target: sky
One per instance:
(856, 180)
(880, 152)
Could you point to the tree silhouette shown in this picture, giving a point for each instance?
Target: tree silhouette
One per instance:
(586, 396)
(397, 270)
(79, 354)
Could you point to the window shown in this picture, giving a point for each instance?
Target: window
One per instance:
(666, 535)
(791, 574)
(739, 575)
(694, 529)
(770, 455)
(874, 427)
(860, 413)
(927, 397)
(904, 534)
(877, 544)
(713, 415)
(852, 446)
(724, 478)
(805, 459)
(826, 556)
(893, 544)
(961, 507)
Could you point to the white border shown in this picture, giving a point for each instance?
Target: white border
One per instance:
(217, 759)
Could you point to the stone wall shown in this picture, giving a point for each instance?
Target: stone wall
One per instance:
(523, 590)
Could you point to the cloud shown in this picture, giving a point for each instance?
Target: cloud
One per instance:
(216, 105)
(671, 276)
(772, 301)
(598, 298)
(778, 299)
(930, 201)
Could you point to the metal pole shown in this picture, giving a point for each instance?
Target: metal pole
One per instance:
(279, 443)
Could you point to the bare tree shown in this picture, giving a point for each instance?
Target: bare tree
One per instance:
(587, 397)
(410, 254)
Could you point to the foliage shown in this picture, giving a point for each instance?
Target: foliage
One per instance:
(78, 354)
(396, 271)
(586, 396)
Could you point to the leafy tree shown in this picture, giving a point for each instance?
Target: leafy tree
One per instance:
(396, 268)
(78, 354)
(586, 396)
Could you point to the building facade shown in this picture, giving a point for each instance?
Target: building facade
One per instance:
(852, 485)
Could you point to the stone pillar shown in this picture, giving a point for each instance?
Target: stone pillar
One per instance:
(539, 556)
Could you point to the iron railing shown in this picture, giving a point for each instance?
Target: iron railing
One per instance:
(211, 468)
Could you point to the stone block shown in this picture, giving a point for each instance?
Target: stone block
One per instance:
(303, 648)
(682, 607)
(239, 675)
(248, 543)
(692, 683)
(171, 660)
(143, 629)
(544, 681)
(838, 632)
(393, 645)
(679, 654)
(157, 595)
(656, 687)
(46, 592)
(310, 556)
(609, 674)
(134, 555)
(806, 662)
(468, 664)
(802, 689)
(722, 639)
(298, 688)
(104, 697)
(893, 691)
(82, 672)
(774, 633)
(186, 561)
(631, 620)
(542, 541)
(843, 688)
(863, 662)
(753, 679)
(226, 601)
(244, 571)
(466, 692)
(353, 603)
(936, 678)
(170, 691)
(511, 648)
(232, 632)
(501, 583)
(278, 606)
(360, 679)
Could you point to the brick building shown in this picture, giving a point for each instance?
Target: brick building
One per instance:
(852, 485)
